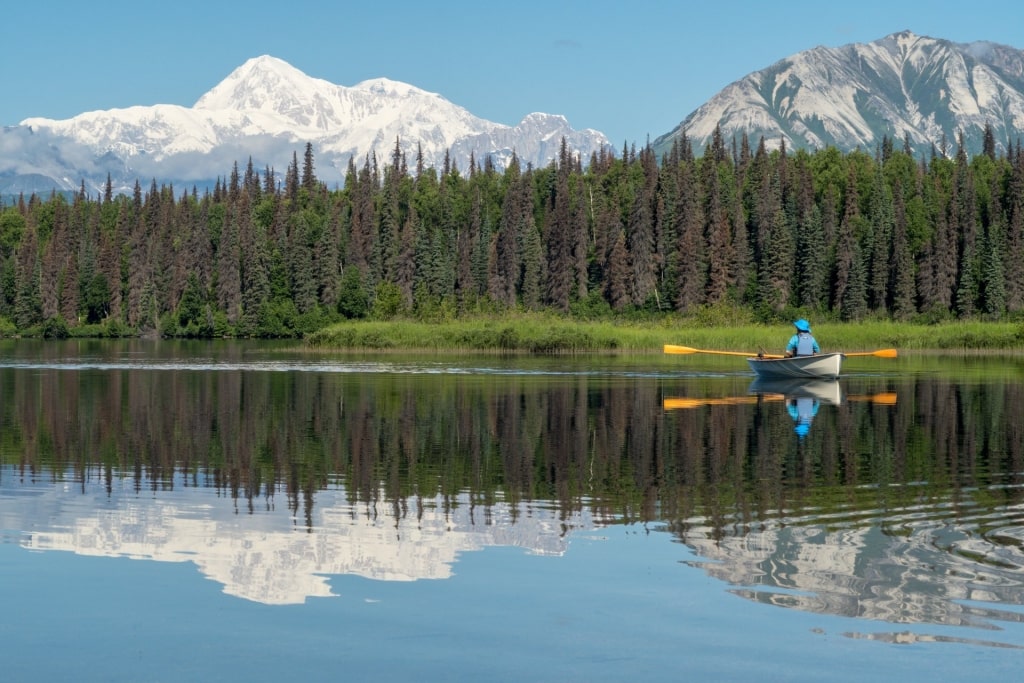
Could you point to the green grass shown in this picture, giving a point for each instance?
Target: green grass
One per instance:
(534, 333)
(550, 333)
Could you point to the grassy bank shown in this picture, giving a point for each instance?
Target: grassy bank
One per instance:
(547, 333)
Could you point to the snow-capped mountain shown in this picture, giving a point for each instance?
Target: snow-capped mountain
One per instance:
(851, 96)
(267, 110)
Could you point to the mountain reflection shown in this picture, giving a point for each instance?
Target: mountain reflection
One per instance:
(265, 557)
(908, 510)
(950, 575)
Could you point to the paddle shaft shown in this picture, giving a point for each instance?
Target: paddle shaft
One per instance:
(671, 348)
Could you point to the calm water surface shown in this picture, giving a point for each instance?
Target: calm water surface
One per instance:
(229, 511)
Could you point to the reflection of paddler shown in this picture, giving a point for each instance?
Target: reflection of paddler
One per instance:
(802, 410)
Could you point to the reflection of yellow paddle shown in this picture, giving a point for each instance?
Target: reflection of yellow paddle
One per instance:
(672, 348)
(676, 403)
(884, 399)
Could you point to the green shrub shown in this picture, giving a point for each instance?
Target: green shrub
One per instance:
(55, 328)
(115, 328)
(563, 340)
(387, 304)
(352, 299)
(508, 339)
(594, 307)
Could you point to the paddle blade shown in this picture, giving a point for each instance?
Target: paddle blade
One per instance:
(880, 353)
(671, 348)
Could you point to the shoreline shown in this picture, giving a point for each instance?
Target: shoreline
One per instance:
(549, 334)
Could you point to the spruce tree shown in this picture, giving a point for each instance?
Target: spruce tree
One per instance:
(880, 222)
(579, 237)
(531, 249)
(847, 251)
(255, 279)
(505, 260)
(308, 176)
(467, 247)
(717, 236)
(1014, 259)
(691, 273)
(993, 275)
(28, 307)
(901, 271)
(964, 204)
(229, 282)
(776, 277)
(640, 242)
(619, 273)
(304, 232)
(558, 244)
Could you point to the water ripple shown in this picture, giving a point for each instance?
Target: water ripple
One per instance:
(419, 368)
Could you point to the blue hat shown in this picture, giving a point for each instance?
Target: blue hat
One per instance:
(802, 325)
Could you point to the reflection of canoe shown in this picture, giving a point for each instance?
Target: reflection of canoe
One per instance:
(820, 366)
(827, 392)
(823, 390)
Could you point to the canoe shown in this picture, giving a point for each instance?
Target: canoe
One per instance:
(819, 366)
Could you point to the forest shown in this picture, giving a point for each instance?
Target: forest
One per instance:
(779, 233)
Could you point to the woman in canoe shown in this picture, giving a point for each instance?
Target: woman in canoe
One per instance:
(803, 342)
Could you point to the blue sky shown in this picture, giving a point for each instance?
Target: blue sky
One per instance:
(629, 69)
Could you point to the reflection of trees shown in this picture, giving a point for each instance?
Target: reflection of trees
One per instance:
(579, 441)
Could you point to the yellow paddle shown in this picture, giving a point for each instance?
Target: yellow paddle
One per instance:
(672, 348)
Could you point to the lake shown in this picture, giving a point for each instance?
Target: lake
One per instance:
(225, 511)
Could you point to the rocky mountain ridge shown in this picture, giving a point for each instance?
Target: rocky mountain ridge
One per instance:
(904, 86)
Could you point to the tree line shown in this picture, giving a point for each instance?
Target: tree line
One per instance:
(822, 233)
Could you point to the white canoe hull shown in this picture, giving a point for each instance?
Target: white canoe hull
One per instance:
(819, 366)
